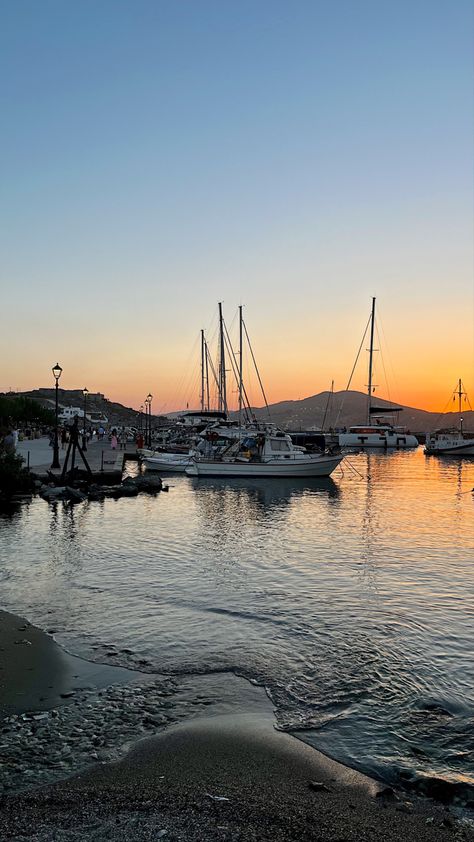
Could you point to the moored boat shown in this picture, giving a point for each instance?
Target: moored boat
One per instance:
(381, 434)
(454, 441)
(267, 454)
(377, 435)
(173, 462)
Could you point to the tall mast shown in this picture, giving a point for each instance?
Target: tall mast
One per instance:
(202, 370)
(460, 395)
(240, 364)
(208, 402)
(371, 354)
(222, 383)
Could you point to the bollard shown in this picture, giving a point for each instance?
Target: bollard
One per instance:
(102, 462)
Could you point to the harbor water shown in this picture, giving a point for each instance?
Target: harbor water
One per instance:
(351, 600)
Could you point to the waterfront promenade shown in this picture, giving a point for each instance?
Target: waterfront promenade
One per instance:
(38, 455)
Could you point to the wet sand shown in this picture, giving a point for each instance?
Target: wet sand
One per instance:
(36, 674)
(227, 776)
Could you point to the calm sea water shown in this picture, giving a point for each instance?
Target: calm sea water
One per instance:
(350, 599)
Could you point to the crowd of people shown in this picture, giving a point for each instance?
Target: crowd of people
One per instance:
(116, 437)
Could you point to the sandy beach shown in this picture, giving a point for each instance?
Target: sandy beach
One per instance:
(224, 775)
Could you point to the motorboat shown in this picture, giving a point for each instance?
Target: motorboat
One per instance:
(449, 443)
(172, 462)
(453, 441)
(266, 454)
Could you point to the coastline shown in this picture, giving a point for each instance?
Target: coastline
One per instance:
(224, 773)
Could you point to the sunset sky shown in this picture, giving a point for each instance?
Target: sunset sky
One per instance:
(294, 157)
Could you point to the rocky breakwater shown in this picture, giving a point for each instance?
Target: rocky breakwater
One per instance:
(130, 487)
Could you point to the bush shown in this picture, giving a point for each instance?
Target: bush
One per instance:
(14, 478)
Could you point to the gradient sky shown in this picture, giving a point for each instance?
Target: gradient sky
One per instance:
(295, 157)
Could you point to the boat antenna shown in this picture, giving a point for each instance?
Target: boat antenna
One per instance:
(222, 376)
(256, 369)
(371, 354)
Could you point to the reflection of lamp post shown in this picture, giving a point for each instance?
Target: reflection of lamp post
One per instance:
(85, 392)
(149, 399)
(57, 371)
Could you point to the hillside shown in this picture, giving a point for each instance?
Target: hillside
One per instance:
(117, 414)
(346, 408)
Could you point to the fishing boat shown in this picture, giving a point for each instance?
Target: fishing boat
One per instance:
(454, 441)
(266, 454)
(379, 434)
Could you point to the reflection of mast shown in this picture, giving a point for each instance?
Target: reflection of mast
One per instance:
(371, 353)
(222, 379)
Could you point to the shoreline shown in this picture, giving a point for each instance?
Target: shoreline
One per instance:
(222, 772)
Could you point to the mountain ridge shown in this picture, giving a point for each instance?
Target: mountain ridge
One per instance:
(341, 409)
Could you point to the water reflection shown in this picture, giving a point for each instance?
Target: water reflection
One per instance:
(349, 599)
(261, 496)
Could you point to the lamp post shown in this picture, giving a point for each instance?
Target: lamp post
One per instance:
(149, 399)
(85, 392)
(57, 371)
(140, 419)
(145, 428)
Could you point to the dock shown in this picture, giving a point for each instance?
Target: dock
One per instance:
(38, 456)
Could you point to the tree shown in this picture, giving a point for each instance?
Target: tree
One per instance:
(21, 410)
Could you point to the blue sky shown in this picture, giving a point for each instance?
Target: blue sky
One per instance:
(297, 157)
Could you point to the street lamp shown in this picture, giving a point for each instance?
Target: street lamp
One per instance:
(140, 418)
(57, 371)
(85, 392)
(149, 399)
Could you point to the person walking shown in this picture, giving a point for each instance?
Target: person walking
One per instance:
(113, 440)
(123, 438)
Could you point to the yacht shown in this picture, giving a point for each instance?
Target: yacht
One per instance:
(379, 434)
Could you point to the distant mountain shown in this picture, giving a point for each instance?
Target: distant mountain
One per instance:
(347, 408)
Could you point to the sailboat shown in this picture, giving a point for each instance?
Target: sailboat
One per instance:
(261, 450)
(381, 435)
(453, 442)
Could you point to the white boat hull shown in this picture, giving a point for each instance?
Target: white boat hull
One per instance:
(174, 465)
(317, 466)
(449, 446)
(382, 440)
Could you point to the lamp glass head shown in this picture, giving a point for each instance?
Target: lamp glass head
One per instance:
(85, 391)
(57, 371)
